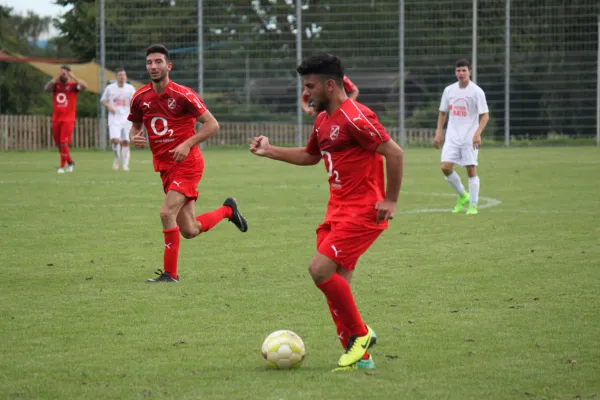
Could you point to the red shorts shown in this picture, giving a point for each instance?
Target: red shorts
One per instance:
(344, 243)
(62, 131)
(182, 180)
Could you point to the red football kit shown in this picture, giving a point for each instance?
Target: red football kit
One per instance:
(170, 119)
(347, 140)
(348, 87)
(64, 98)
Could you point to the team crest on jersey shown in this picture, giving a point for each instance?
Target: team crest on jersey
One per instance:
(335, 132)
(171, 104)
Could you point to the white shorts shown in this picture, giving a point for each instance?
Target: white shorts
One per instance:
(459, 155)
(120, 132)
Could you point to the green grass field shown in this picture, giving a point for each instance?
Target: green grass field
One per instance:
(502, 305)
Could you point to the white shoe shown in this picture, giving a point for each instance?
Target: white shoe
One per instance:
(125, 168)
(70, 167)
(60, 170)
(116, 165)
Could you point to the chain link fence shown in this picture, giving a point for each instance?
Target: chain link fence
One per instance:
(241, 56)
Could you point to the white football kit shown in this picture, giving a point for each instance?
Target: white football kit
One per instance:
(119, 99)
(463, 107)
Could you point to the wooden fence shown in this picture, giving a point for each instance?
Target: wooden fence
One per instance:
(34, 132)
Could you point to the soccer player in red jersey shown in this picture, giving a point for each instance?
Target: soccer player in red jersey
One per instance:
(349, 86)
(169, 113)
(63, 117)
(353, 144)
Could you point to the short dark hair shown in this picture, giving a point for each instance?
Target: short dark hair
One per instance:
(158, 48)
(121, 69)
(65, 67)
(328, 65)
(463, 62)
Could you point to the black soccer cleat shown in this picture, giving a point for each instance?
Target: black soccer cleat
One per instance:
(237, 218)
(163, 277)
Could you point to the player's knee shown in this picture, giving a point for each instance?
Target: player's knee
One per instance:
(446, 169)
(317, 271)
(167, 216)
(115, 141)
(188, 234)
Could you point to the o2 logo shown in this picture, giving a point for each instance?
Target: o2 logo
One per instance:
(331, 172)
(160, 126)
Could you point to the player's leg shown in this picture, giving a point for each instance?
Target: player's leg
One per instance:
(114, 132)
(469, 156)
(341, 249)
(451, 156)
(56, 136)
(229, 210)
(125, 146)
(171, 207)
(66, 137)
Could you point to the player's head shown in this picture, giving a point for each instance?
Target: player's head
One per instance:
(121, 76)
(64, 73)
(463, 69)
(323, 77)
(158, 63)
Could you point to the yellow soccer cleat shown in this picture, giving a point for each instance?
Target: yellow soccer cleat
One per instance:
(357, 347)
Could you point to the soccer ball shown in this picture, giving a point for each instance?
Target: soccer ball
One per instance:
(283, 350)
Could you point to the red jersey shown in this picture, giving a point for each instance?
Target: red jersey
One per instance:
(170, 119)
(64, 97)
(348, 87)
(347, 140)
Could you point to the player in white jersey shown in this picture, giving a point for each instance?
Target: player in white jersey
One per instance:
(469, 114)
(116, 98)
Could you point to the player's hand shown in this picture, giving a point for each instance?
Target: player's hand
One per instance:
(311, 111)
(139, 140)
(385, 210)
(112, 110)
(259, 145)
(437, 140)
(180, 152)
(476, 141)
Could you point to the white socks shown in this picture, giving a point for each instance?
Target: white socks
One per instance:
(125, 157)
(454, 182)
(473, 190)
(115, 149)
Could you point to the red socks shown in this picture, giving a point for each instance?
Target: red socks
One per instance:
(171, 254)
(65, 156)
(209, 219)
(342, 332)
(337, 290)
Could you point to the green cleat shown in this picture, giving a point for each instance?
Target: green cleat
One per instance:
(461, 202)
(366, 364)
(349, 368)
(472, 210)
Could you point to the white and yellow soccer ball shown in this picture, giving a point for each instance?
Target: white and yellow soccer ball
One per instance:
(283, 350)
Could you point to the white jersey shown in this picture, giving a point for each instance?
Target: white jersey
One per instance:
(119, 99)
(464, 107)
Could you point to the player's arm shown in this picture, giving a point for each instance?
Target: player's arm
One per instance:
(306, 107)
(136, 135)
(49, 86)
(353, 94)
(293, 155)
(394, 167)
(483, 120)
(209, 127)
(104, 101)
(82, 84)
(439, 135)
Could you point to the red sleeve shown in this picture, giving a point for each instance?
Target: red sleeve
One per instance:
(73, 87)
(348, 84)
(312, 147)
(135, 112)
(194, 104)
(368, 133)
